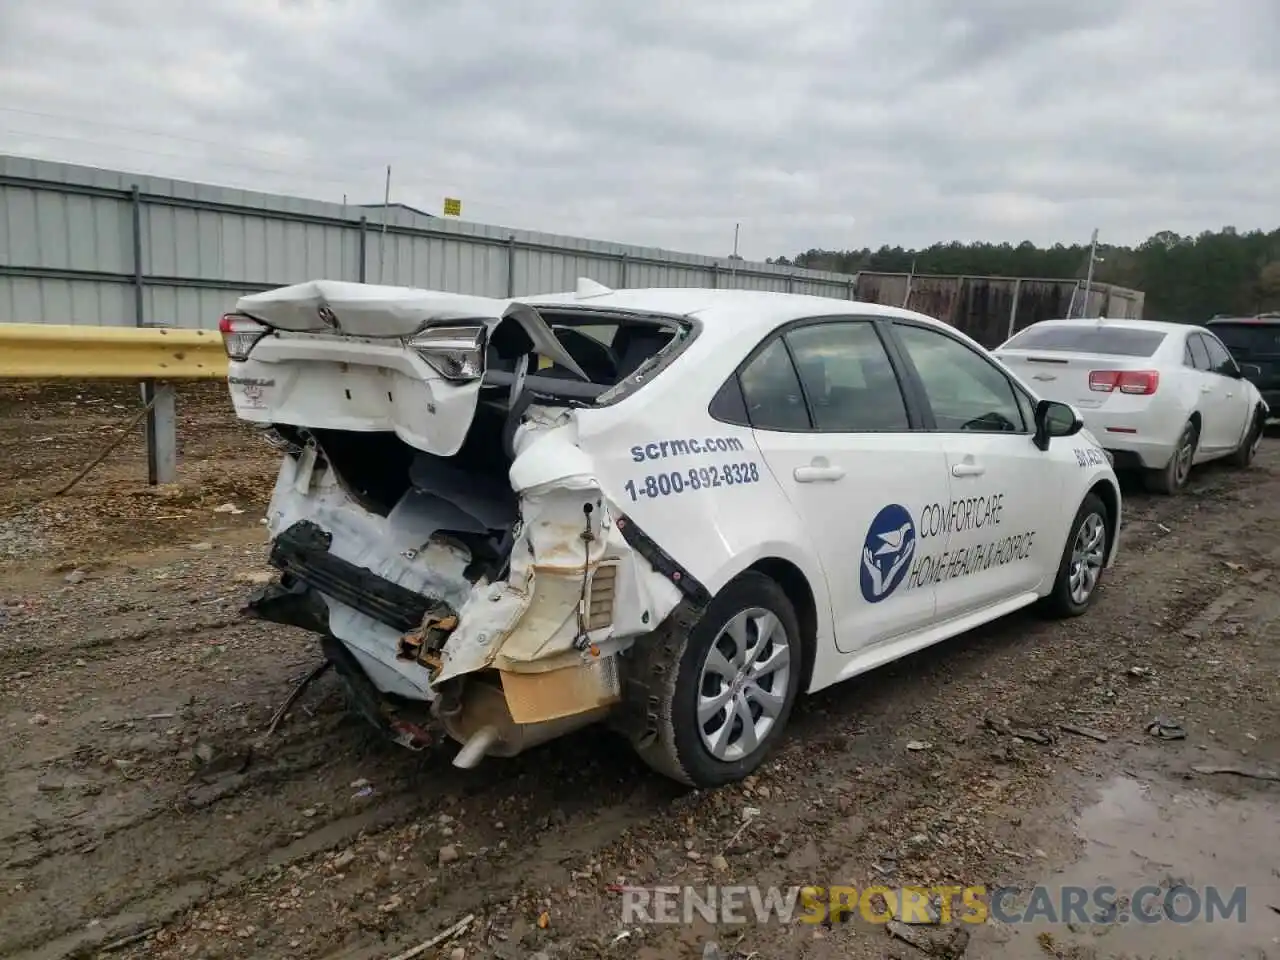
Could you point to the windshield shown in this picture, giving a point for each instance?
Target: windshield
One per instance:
(1117, 341)
(1246, 340)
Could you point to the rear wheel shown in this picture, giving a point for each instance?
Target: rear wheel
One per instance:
(718, 691)
(1083, 560)
(1243, 455)
(1172, 478)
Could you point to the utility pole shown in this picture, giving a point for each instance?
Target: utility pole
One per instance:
(382, 240)
(733, 257)
(1088, 277)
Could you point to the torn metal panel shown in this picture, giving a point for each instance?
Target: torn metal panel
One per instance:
(567, 532)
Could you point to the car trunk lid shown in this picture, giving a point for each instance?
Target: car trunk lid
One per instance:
(1090, 364)
(366, 358)
(1067, 377)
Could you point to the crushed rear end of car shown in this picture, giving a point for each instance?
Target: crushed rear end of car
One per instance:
(435, 520)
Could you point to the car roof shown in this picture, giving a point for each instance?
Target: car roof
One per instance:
(732, 311)
(1118, 322)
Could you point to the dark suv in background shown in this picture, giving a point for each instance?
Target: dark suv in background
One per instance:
(1255, 344)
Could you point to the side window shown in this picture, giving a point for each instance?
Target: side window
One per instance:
(728, 405)
(964, 389)
(772, 392)
(847, 378)
(1220, 360)
(1199, 354)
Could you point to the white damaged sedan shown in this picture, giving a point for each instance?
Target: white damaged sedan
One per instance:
(669, 510)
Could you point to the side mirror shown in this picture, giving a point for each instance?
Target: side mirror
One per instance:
(1250, 371)
(1054, 419)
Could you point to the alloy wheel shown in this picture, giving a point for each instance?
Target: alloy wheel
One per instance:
(742, 688)
(1087, 556)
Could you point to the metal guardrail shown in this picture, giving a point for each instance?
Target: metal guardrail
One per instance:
(46, 351)
(155, 356)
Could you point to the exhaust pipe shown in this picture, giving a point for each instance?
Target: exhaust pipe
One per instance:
(476, 747)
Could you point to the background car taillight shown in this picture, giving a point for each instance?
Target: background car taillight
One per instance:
(239, 334)
(456, 353)
(1141, 382)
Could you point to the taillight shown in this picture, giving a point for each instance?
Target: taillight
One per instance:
(1141, 382)
(456, 353)
(239, 334)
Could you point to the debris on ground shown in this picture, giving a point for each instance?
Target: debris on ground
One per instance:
(1249, 773)
(945, 943)
(1089, 732)
(1162, 728)
(453, 932)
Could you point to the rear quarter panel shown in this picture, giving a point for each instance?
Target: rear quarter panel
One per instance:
(698, 487)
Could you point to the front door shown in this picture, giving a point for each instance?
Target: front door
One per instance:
(832, 423)
(1004, 507)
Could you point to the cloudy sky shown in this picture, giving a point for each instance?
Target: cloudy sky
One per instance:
(829, 123)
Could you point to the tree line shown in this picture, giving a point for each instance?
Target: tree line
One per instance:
(1186, 279)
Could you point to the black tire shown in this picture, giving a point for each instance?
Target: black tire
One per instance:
(665, 675)
(1060, 603)
(1172, 478)
(1243, 455)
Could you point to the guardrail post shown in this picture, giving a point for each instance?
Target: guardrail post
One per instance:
(622, 278)
(791, 283)
(161, 420)
(162, 432)
(715, 276)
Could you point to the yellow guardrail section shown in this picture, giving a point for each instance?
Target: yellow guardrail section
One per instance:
(47, 351)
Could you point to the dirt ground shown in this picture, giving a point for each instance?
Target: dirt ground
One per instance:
(140, 820)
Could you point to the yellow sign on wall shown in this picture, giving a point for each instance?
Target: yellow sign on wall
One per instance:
(452, 207)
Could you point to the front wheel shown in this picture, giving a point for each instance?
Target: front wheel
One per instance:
(718, 691)
(1083, 560)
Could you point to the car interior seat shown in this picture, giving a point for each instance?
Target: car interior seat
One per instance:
(633, 344)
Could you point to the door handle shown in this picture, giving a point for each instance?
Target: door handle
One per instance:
(819, 471)
(1206, 389)
(968, 470)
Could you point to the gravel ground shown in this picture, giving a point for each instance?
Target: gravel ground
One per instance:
(137, 804)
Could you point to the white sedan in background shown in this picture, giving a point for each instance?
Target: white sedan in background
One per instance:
(1160, 397)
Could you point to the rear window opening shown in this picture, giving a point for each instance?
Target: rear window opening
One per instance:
(610, 349)
(1105, 340)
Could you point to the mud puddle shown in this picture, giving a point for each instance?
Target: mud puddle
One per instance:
(1166, 871)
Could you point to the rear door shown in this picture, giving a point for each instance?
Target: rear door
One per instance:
(1005, 505)
(1210, 398)
(825, 403)
(1230, 393)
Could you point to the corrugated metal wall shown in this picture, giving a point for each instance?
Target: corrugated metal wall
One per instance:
(87, 246)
